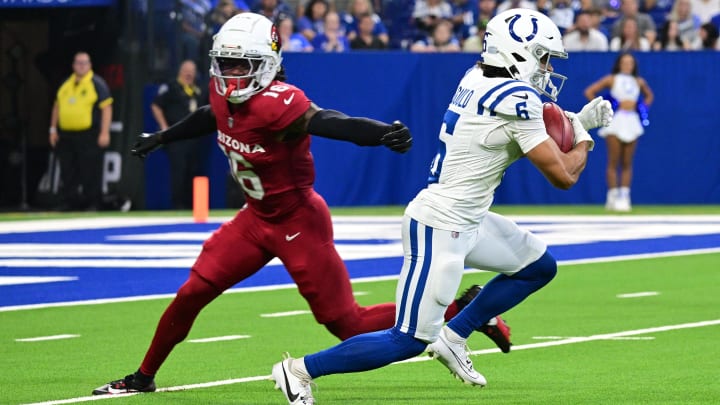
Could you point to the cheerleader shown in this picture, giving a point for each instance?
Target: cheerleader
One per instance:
(630, 96)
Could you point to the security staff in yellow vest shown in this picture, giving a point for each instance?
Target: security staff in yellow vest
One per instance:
(79, 132)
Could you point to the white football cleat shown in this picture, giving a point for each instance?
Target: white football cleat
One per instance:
(456, 357)
(297, 391)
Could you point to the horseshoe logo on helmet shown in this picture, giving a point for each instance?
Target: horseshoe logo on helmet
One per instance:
(515, 36)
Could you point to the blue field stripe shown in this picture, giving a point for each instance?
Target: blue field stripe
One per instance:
(113, 281)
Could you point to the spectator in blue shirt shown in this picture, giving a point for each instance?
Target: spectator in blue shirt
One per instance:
(356, 10)
(442, 39)
(223, 11)
(312, 22)
(464, 17)
(272, 9)
(332, 39)
(291, 41)
(193, 27)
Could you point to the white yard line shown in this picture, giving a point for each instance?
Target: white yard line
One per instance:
(44, 338)
(283, 314)
(219, 339)
(566, 341)
(638, 294)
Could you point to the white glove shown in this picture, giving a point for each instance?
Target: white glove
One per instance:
(596, 113)
(581, 135)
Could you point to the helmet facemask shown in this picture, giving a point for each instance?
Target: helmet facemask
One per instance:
(238, 79)
(543, 79)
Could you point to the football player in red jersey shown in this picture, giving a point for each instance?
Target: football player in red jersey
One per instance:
(262, 126)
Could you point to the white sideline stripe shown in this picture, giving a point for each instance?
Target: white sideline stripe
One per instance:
(567, 341)
(638, 294)
(168, 389)
(15, 280)
(688, 252)
(617, 338)
(44, 338)
(219, 339)
(582, 339)
(288, 313)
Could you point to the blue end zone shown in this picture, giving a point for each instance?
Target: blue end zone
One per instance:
(97, 276)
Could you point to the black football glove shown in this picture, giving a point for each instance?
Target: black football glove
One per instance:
(146, 144)
(399, 139)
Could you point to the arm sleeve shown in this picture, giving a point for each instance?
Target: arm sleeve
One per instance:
(336, 125)
(197, 124)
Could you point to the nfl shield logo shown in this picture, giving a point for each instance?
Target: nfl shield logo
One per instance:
(231, 121)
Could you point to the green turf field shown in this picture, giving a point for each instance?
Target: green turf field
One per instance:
(576, 342)
(677, 366)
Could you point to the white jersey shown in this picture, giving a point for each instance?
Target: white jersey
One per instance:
(490, 123)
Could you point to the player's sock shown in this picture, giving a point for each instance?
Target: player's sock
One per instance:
(364, 319)
(298, 368)
(502, 293)
(143, 378)
(451, 311)
(364, 352)
(177, 320)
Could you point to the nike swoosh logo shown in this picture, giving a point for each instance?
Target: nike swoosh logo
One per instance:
(289, 100)
(524, 96)
(291, 395)
(460, 361)
(291, 237)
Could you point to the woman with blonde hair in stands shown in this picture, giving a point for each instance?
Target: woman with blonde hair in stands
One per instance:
(630, 38)
(688, 24)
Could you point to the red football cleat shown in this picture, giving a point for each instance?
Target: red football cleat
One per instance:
(496, 329)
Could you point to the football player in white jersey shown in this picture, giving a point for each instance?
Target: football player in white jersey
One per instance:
(494, 119)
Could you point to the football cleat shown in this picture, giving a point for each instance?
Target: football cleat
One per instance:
(456, 357)
(127, 385)
(297, 391)
(499, 332)
(496, 329)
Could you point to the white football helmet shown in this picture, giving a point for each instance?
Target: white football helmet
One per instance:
(245, 56)
(523, 42)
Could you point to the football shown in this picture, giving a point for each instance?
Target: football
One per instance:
(558, 126)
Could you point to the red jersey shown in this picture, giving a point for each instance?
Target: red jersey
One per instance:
(274, 175)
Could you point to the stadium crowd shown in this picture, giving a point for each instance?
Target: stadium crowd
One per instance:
(457, 25)
(185, 28)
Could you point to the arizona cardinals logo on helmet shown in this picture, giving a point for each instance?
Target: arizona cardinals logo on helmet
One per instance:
(275, 38)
